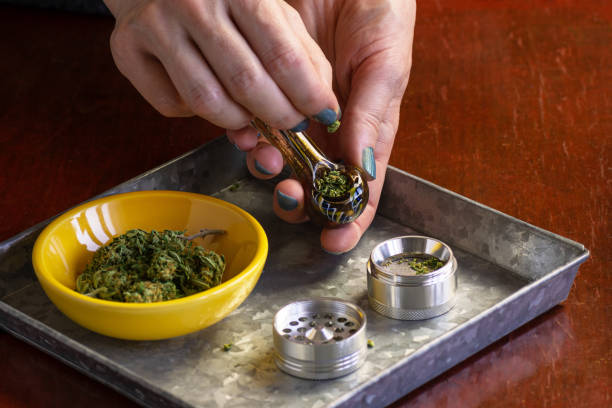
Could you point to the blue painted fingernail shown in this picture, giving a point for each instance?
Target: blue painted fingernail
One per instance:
(302, 126)
(331, 252)
(286, 202)
(339, 113)
(262, 169)
(368, 163)
(326, 116)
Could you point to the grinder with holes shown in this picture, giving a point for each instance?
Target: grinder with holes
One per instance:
(320, 338)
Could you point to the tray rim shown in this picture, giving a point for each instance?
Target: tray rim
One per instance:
(86, 351)
(445, 190)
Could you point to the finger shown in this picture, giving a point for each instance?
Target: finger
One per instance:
(238, 68)
(264, 161)
(368, 130)
(199, 87)
(340, 240)
(343, 239)
(244, 139)
(372, 115)
(289, 201)
(147, 75)
(279, 45)
(177, 81)
(317, 56)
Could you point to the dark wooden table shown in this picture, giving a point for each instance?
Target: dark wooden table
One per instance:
(513, 100)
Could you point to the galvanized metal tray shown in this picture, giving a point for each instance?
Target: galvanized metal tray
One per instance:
(509, 272)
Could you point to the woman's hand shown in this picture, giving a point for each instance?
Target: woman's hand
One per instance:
(224, 61)
(369, 44)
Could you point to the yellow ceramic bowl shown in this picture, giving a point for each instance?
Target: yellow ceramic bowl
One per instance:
(67, 244)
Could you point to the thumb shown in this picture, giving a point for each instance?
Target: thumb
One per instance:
(368, 130)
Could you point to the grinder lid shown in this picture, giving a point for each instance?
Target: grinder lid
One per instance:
(319, 338)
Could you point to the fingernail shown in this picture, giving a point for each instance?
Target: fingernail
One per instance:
(262, 169)
(286, 202)
(331, 252)
(339, 113)
(302, 126)
(326, 116)
(368, 163)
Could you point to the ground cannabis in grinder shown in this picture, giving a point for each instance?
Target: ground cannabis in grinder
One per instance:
(141, 266)
(334, 184)
(419, 263)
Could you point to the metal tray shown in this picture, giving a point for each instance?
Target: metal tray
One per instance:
(509, 272)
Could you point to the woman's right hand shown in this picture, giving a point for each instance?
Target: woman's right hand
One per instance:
(225, 61)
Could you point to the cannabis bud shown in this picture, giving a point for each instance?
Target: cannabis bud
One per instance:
(154, 266)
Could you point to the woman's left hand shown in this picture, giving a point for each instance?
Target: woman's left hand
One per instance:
(369, 44)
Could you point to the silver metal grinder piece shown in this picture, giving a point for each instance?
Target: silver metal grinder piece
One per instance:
(395, 290)
(320, 338)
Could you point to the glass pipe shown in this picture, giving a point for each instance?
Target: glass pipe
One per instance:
(311, 168)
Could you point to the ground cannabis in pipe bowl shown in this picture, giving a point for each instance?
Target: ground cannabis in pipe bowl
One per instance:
(67, 245)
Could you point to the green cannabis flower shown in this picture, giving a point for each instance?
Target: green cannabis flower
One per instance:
(333, 127)
(420, 264)
(333, 185)
(146, 267)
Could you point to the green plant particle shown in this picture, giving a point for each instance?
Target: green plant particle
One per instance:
(333, 128)
(334, 184)
(234, 187)
(421, 264)
(227, 347)
(370, 343)
(145, 267)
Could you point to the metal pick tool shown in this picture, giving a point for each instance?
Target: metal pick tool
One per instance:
(320, 338)
(309, 165)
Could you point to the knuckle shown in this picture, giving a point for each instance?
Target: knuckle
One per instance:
(149, 14)
(394, 78)
(370, 121)
(145, 25)
(243, 82)
(204, 14)
(170, 107)
(210, 103)
(205, 101)
(283, 61)
(382, 128)
(254, 7)
(121, 41)
(291, 13)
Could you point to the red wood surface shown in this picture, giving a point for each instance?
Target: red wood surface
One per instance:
(514, 101)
